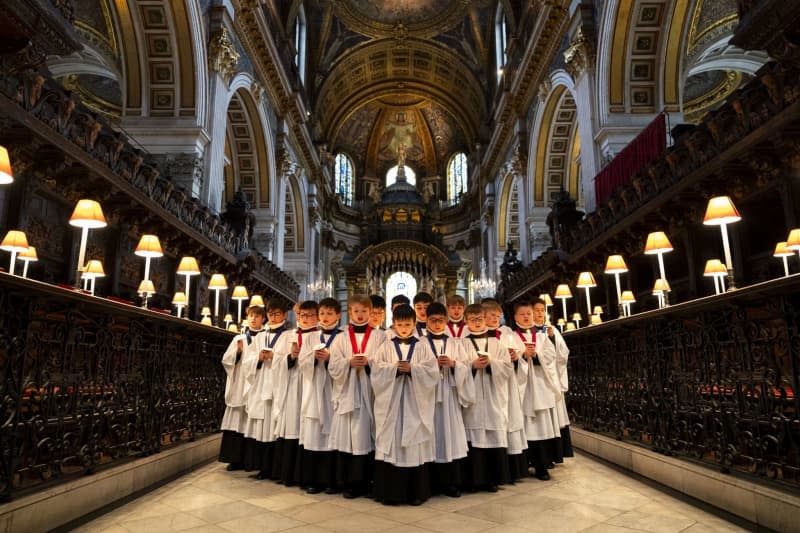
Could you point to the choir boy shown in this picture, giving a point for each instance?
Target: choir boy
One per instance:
(378, 313)
(562, 382)
(456, 326)
(235, 417)
(421, 302)
(455, 390)
(257, 367)
(541, 388)
(287, 385)
(404, 376)
(317, 461)
(517, 444)
(352, 425)
(486, 420)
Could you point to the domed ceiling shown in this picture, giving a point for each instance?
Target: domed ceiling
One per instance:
(420, 18)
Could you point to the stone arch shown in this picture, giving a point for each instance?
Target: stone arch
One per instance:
(294, 227)
(510, 213)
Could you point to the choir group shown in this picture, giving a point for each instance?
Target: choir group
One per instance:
(445, 400)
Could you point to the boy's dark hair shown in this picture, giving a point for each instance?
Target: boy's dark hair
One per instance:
(309, 305)
(423, 297)
(524, 303)
(539, 301)
(404, 312)
(490, 300)
(256, 310)
(455, 299)
(378, 302)
(436, 309)
(473, 309)
(330, 303)
(400, 299)
(277, 303)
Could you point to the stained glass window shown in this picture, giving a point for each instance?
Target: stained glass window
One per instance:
(456, 177)
(343, 172)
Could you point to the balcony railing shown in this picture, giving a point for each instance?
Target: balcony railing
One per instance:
(89, 383)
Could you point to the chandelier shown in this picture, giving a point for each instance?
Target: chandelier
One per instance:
(321, 287)
(484, 287)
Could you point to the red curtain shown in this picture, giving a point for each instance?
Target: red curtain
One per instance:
(648, 145)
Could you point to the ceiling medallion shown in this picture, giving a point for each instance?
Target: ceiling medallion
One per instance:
(401, 18)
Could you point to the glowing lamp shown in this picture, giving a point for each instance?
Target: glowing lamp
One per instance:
(571, 326)
(561, 323)
(597, 310)
(232, 328)
(257, 300)
(206, 311)
(615, 265)
(92, 271)
(27, 257)
(206, 321)
(15, 242)
(627, 299)
(721, 212)
(783, 251)
(596, 320)
(149, 247)
(239, 294)
(586, 281)
(179, 301)
(217, 284)
(793, 241)
(6, 175)
(716, 269)
(188, 267)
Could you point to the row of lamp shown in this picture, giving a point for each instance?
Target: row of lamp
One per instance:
(720, 212)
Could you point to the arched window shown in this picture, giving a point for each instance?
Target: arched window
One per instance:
(300, 43)
(391, 175)
(501, 41)
(456, 177)
(343, 175)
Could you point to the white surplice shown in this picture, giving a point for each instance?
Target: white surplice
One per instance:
(562, 356)
(235, 417)
(404, 404)
(517, 441)
(455, 390)
(353, 425)
(316, 411)
(486, 421)
(287, 385)
(541, 388)
(258, 393)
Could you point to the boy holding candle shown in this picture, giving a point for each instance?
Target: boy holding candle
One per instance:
(317, 461)
(541, 386)
(352, 425)
(455, 390)
(486, 420)
(287, 384)
(257, 367)
(404, 378)
(234, 420)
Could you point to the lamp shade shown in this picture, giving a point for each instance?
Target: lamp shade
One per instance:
(206, 311)
(597, 310)
(179, 298)
(228, 318)
(94, 269)
(149, 246)
(782, 250)
(596, 319)
(657, 243)
(562, 291)
(188, 266)
(546, 298)
(30, 254)
(206, 321)
(256, 299)
(586, 279)
(6, 176)
(576, 316)
(240, 293)
(146, 287)
(661, 286)
(232, 328)
(560, 322)
(793, 241)
(14, 241)
(615, 265)
(627, 297)
(570, 326)
(217, 282)
(88, 214)
(721, 210)
(715, 267)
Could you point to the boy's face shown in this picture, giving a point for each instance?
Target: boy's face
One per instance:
(524, 316)
(255, 320)
(476, 323)
(436, 324)
(376, 317)
(276, 316)
(421, 309)
(493, 318)
(456, 311)
(404, 327)
(358, 313)
(306, 319)
(538, 314)
(328, 317)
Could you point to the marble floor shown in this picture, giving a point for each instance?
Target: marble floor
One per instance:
(584, 495)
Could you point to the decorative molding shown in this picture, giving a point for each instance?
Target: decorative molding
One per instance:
(579, 55)
(222, 55)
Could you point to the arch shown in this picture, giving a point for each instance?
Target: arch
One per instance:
(457, 172)
(509, 213)
(293, 235)
(344, 177)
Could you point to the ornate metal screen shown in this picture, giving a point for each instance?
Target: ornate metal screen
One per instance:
(88, 383)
